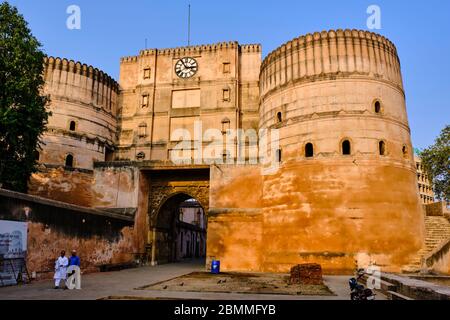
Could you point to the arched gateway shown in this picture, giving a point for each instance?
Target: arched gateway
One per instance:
(171, 237)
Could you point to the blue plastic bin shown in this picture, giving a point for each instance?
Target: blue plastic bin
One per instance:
(215, 267)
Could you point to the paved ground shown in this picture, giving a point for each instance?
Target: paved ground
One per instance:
(124, 284)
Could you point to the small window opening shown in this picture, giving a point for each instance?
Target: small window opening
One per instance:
(346, 148)
(72, 126)
(309, 150)
(382, 148)
(147, 73)
(377, 107)
(279, 117)
(405, 151)
(69, 161)
(279, 155)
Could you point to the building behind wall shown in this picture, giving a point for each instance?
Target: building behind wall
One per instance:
(426, 193)
(192, 233)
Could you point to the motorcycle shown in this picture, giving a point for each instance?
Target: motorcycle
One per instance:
(358, 291)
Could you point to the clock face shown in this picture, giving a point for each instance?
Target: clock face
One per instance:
(186, 67)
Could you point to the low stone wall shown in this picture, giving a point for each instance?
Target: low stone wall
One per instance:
(417, 289)
(439, 260)
(99, 237)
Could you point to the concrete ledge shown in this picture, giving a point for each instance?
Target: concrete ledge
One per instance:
(47, 166)
(417, 289)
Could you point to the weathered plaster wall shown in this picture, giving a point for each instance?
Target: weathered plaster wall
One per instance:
(45, 243)
(340, 215)
(235, 220)
(334, 209)
(70, 186)
(115, 186)
(337, 215)
(104, 187)
(99, 237)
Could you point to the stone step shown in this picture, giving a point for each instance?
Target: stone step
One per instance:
(392, 295)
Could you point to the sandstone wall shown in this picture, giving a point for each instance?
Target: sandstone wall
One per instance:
(155, 101)
(86, 96)
(339, 210)
(235, 220)
(333, 208)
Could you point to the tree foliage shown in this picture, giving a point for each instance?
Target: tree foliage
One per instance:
(436, 161)
(23, 115)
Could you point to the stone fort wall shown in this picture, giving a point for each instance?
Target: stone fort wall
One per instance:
(81, 130)
(84, 107)
(327, 92)
(346, 191)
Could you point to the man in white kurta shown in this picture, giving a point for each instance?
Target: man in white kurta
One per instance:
(61, 269)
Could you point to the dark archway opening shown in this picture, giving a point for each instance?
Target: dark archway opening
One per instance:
(309, 150)
(180, 230)
(72, 126)
(69, 161)
(279, 117)
(346, 148)
(382, 148)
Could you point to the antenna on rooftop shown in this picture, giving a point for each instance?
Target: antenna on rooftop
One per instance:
(145, 43)
(189, 25)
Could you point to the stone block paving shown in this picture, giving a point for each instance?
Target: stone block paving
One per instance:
(123, 284)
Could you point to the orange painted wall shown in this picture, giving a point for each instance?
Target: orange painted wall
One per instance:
(340, 215)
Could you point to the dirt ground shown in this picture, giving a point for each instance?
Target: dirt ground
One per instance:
(264, 283)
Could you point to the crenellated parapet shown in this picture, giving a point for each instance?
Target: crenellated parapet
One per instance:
(194, 50)
(83, 102)
(83, 69)
(80, 82)
(326, 54)
(248, 48)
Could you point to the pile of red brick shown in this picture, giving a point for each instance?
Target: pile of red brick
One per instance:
(306, 274)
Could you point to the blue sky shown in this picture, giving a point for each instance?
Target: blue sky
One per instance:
(112, 29)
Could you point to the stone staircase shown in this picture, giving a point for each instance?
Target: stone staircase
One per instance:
(437, 233)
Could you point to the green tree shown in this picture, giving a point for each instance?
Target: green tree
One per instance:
(23, 115)
(436, 161)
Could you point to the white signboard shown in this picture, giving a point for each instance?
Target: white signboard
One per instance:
(13, 250)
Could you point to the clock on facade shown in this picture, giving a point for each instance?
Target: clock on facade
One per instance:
(186, 67)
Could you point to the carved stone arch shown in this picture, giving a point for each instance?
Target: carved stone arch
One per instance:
(202, 196)
(164, 202)
(161, 194)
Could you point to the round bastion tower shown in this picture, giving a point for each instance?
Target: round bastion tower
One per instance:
(346, 191)
(83, 124)
(80, 131)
